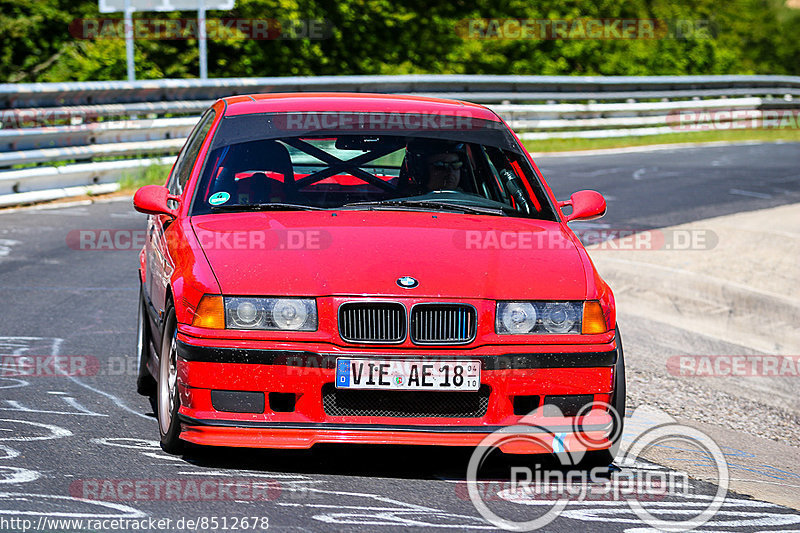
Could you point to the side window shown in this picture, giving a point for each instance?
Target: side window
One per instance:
(511, 182)
(186, 159)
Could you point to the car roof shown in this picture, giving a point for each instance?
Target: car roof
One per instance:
(352, 103)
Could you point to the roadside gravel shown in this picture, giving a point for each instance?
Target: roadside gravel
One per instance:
(740, 297)
(706, 404)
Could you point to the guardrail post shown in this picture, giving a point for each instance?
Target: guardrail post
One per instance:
(129, 40)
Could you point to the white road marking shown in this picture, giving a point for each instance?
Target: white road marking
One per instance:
(751, 194)
(738, 519)
(601, 172)
(155, 455)
(54, 432)
(118, 402)
(588, 225)
(74, 211)
(21, 345)
(396, 513)
(13, 474)
(6, 245)
(16, 345)
(72, 402)
(65, 205)
(17, 406)
(57, 342)
(126, 442)
(10, 452)
(295, 478)
(15, 383)
(46, 501)
(754, 513)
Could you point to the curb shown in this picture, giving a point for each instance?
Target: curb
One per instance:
(704, 304)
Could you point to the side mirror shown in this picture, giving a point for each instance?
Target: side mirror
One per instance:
(152, 200)
(586, 205)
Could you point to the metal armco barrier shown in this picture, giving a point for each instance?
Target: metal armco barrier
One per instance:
(83, 122)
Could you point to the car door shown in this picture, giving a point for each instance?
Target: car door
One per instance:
(159, 263)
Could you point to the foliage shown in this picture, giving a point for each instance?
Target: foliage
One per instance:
(153, 174)
(382, 37)
(714, 136)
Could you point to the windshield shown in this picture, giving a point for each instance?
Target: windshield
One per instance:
(259, 162)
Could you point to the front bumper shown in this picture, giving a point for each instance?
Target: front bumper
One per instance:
(305, 372)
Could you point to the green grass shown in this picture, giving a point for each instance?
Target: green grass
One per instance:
(150, 175)
(565, 145)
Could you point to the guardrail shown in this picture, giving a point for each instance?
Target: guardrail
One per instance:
(82, 123)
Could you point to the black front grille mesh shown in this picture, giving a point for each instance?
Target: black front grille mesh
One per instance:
(405, 404)
(443, 324)
(372, 322)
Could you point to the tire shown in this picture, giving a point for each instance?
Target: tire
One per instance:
(167, 398)
(606, 457)
(145, 383)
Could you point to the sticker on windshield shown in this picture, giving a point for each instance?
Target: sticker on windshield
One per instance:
(219, 198)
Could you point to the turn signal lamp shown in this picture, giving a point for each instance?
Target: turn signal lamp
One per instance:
(593, 320)
(210, 312)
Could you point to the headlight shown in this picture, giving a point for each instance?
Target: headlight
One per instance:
(561, 317)
(515, 318)
(289, 314)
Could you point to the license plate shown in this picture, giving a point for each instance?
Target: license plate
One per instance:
(407, 374)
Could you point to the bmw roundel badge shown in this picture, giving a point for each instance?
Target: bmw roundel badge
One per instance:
(407, 282)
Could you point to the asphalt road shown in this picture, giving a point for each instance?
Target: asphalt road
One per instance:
(664, 188)
(79, 447)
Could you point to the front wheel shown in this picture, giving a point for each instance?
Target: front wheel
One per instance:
(168, 400)
(606, 457)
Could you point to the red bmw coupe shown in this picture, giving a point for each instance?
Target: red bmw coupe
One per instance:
(356, 268)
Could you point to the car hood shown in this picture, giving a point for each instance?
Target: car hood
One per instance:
(325, 253)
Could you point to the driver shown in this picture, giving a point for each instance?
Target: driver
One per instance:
(436, 165)
(444, 171)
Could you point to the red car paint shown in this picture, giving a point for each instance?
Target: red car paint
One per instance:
(358, 256)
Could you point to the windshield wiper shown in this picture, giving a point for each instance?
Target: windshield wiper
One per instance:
(274, 206)
(427, 204)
